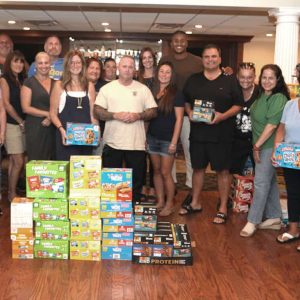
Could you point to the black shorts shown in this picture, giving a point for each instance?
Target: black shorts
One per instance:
(217, 154)
(241, 150)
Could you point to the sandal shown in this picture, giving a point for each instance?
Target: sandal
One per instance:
(190, 210)
(298, 248)
(287, 238)
(221, 216)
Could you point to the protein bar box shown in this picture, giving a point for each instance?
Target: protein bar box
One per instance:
(203, 111)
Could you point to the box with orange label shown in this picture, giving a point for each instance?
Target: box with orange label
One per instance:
(85, 176)
(22, 249)
(84, 208)
(85, 250)
(21, 224)
(287, 156)
(86, 230)
(116, 185)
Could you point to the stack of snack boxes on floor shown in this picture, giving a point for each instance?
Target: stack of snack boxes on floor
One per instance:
(159, 242)
(242, 188)
(47, 184)
(116, 214)
(84, 208)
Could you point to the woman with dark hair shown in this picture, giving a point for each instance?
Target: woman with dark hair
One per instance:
(163, 134)
(266, 111)
(94, 71)
(11, 82)
(72, 100)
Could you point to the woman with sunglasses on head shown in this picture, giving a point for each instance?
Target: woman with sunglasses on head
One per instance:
(266, 111)
(11, 82)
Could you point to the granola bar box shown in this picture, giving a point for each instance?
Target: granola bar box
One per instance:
(84, 208)
(85, 250)
(288, 156)
(85, 176)
(86, 230)
(47, 179)
(116, 209)
(82, 134)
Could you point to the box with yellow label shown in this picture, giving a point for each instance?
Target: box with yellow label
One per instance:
(84, 208)
(85, 250)
(86, 230)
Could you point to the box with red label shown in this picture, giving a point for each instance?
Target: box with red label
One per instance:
(85, 176)
(82, 134)
(162, 250)
(287, 156)
(117, 253)
(118, 225)
(47, 179)
(21, 224)
(51, 249)
(117, 238)
(85, 230)
(22, 249)
(142, 250)
(116, 185)
(116, 209)
(145, 223)
(84, 208)
(85, 250)
(52, 230)
(50, 209)
(145, 208)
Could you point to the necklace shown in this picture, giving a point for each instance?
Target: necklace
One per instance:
(79, 103)
(250, 94)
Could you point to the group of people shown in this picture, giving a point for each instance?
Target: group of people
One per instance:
(152, 110)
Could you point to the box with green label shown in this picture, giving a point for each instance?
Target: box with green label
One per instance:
(84, 208)
(51, 249)
(52, 230)
(47, 179)
(85, 250)
(85, 230)
(50, 209)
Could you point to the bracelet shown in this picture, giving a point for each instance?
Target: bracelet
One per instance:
(255, 148)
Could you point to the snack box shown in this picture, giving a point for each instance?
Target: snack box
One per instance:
(85, 230)
(84, 208)
(22, 249)
(164, 226)
(163, 238)
(159, 238)
(50, 209)
(85, 250)
(82, 134)
(51, 249)
(181, 236)
(287, 156)
(150, 260)
(244, 183)
(52, 230)
(118, 225)
(145, 223)
(85, 176)
(162, 250)
(116, 185)
(240, 206)
(144, 208)
(117, 239)
(203, 111)
(182, 252)
(143, 237)
(47, 179)
(117, 253)
(116, 209)
(243, 196)
(142, 250)
(21, 224)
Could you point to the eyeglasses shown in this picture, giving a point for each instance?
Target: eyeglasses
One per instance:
(246, 65)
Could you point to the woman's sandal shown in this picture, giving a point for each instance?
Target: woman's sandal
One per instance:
(287, 238)
(222, 217)
(190, 210)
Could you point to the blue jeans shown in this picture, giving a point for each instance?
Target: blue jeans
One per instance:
(266, 195)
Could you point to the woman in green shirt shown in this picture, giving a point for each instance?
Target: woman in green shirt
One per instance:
(266, 111)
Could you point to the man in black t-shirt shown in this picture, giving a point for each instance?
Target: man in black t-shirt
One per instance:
(212, 142)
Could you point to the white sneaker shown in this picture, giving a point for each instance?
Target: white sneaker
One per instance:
(248, 230)
(274, 224)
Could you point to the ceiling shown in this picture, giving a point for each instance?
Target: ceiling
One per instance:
(76, 18)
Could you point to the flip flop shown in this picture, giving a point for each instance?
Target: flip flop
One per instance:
(221, 216)
(190, 210)
(287, 238)
(298, 248)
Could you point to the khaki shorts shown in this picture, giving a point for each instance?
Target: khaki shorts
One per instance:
(14, 139)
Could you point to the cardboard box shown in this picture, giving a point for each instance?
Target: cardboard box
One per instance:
(145, 223)
(181, 236)
(85, 230)
(85, 250)
(117, 239)
(85, 176)
(51, 249)
(116, 209)
(142, 250)
(182, 252)
(116, 185)
(22, 249)
(118, 225)
(47, 179)
(50, 209)
(203, 111)
(158, 238)
(288, 156)
(162, 250)
(143, 237)
(117, 253)
(84, 208)
(82, 134)
(148, 260)
(21, 224)
(144, 208)
(52, 230)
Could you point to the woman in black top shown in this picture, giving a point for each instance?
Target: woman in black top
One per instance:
(14, 74)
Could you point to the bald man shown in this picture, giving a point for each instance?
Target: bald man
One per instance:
(6, 46)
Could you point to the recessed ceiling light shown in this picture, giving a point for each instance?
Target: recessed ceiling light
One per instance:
(71, 39)
(26, 28)
(105, 24)
(159, 41)
(11, 22)
(189, 32)
(269, 34)
(107, 30)
(198, 26)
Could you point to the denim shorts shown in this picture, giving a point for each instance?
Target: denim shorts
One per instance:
(156, 146)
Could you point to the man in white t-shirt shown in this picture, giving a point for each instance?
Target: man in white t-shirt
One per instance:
(125, 104)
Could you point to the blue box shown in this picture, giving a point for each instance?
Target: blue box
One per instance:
(117, 253)
(288, 156)
(116, 210)
(118, 225)
(117, 239)
(82, 134)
